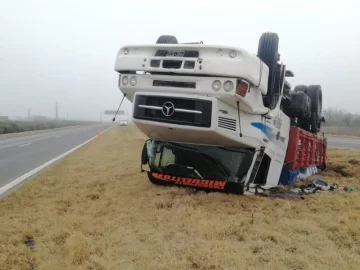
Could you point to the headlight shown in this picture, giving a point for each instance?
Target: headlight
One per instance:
(228, 86)
(125, 80)
(126, 51)
(133, 80)
(232, 54)
(216, 85)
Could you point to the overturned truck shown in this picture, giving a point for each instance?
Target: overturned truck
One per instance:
(219, 117)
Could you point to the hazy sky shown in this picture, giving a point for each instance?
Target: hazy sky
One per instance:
(65, 50)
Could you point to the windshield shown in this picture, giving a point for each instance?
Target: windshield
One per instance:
(195, 161)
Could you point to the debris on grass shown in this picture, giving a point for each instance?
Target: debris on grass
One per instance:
(349, 189)
(318, 185)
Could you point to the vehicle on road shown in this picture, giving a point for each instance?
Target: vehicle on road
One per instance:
(123, 123)
(220, 117)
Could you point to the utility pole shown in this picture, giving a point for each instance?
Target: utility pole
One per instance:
(100, 117)
(57, 111)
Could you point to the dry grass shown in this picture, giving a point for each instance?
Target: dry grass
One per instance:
(95, 210)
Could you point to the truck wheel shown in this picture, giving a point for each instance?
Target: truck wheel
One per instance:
(166, 39)
(300, 88)
(268, 53)
(300, 105)
(315, 94)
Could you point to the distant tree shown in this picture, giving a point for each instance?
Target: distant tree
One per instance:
(347, 119)
(335, 117)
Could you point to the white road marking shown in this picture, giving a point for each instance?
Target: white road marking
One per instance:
(22, 178)
(25, 144)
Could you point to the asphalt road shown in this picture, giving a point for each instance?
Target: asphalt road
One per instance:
(346, 143)
(21, 154)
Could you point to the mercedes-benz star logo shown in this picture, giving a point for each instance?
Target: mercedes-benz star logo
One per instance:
(168, 109)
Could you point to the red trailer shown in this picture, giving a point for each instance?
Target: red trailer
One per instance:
(305, 149)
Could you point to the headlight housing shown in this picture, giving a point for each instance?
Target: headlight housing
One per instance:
(232, 54)
(228, 86)
(125, 80)
(216, 86)
(133, 80)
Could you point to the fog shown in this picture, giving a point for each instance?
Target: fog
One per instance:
(65, 51)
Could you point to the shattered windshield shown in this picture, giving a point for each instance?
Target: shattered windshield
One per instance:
(195, 161)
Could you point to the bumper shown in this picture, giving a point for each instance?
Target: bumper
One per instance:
(207, 60)
(206, 185)
(184, 85)
(193, 119)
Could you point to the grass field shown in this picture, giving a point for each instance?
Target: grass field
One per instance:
(95, 210)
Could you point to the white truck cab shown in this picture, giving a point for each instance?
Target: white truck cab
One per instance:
(217, 117)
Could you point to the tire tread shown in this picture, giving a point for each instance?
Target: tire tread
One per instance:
(167, 39)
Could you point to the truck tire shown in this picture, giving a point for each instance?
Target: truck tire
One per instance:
(268, 53)
(300, 88)
(300, 105)
(315, 94)
(167, 39)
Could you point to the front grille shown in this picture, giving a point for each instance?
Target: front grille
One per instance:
(174, 84)
(173, 64)
(227, 123)
(169, 53)
(189, 64)
(193, 112)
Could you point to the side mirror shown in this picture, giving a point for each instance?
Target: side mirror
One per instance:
(245, 165)
(144, 155)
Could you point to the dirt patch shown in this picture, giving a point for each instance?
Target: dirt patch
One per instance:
(95, 210)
